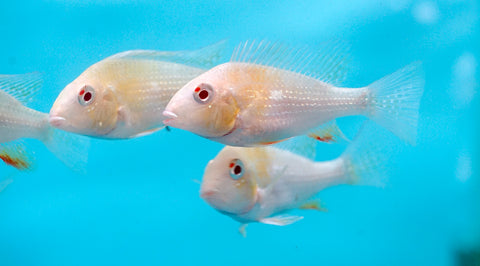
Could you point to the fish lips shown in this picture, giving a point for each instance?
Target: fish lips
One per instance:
(57, 121)
(171, 116)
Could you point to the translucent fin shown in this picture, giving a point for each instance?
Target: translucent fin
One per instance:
(5, 183)
(16, 155)
(313, 205)
(206, 57)
(395, 101)
(281, 220)
(243, 230)
(327, 65)
(21, 87)
(301, 145)
(329, 133)
(146, 133)
(70, 148)
(366, 157)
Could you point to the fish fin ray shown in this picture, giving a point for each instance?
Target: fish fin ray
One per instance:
(71, 149)
(301, 145)
(281, 220)
(243, 230)
(5, 183)
(313, 205)
(206, 57)
(329, 133)
(366, 158)
(17, 155)
(395, 101)
(327, 65)
(22, 87)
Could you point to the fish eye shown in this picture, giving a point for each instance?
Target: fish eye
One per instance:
(86, 95)
(236, 169)
(203, 93)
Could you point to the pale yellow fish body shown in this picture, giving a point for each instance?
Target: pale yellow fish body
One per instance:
(123, 96)
(251, 101)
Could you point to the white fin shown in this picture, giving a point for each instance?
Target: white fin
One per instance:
(327, 65)
(301, 145)
(366, 157)
(329, 133)
(395, 101)
(17, 155)
(281, 220)
(206, 57)
(21, 87)
(5, 183)
(70, 148)
(243, 230)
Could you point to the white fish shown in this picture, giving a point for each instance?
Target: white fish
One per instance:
(262, 97)
(18, 121)
(124, 95)
(261, 184)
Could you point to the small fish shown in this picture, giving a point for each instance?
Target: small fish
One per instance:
(261, 184)
(123, 96)
(261, 97)
(18, 121)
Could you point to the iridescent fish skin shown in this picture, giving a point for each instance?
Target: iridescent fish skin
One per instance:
(123, 96)
(250, 104)
(261, 184)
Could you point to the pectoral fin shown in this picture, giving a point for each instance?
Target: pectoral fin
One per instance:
(281, 220)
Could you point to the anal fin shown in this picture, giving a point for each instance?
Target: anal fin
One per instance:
(328, 132)
(313, 205)
(16, 155)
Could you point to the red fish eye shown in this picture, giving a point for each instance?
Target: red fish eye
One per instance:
(86, 95)
(236, 169)
(203, 93)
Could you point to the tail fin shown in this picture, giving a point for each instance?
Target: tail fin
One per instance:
(396, 99)
(366, 156)
(70, 148)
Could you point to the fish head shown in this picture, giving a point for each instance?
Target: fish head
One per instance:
(86, 106)
(230, 181)
(204, 106)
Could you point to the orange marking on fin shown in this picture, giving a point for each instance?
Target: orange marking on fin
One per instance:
(312, 206)
(326, 138)
(15, 162)
(271, 142)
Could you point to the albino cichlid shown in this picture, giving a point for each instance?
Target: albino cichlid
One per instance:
(262, 97)
(124, 95)
(261, 184)
(18, 121)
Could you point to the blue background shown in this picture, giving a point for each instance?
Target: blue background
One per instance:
(139, 204)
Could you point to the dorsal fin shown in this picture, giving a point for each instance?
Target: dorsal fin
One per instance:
(327, 64)
(206, 57)
(22, 86)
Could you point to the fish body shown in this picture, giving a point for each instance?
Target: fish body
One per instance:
(261, 184)
(253, 104)
(123, 96)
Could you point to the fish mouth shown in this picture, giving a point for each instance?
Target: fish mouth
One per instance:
(57, 121)
(171, 116)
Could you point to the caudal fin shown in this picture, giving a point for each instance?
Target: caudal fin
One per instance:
(366, 157)
(70, 148)
(395, 101)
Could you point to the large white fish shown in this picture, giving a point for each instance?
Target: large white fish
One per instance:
(124, 95)
(262, 97)
(260, 184)
(18, 121)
